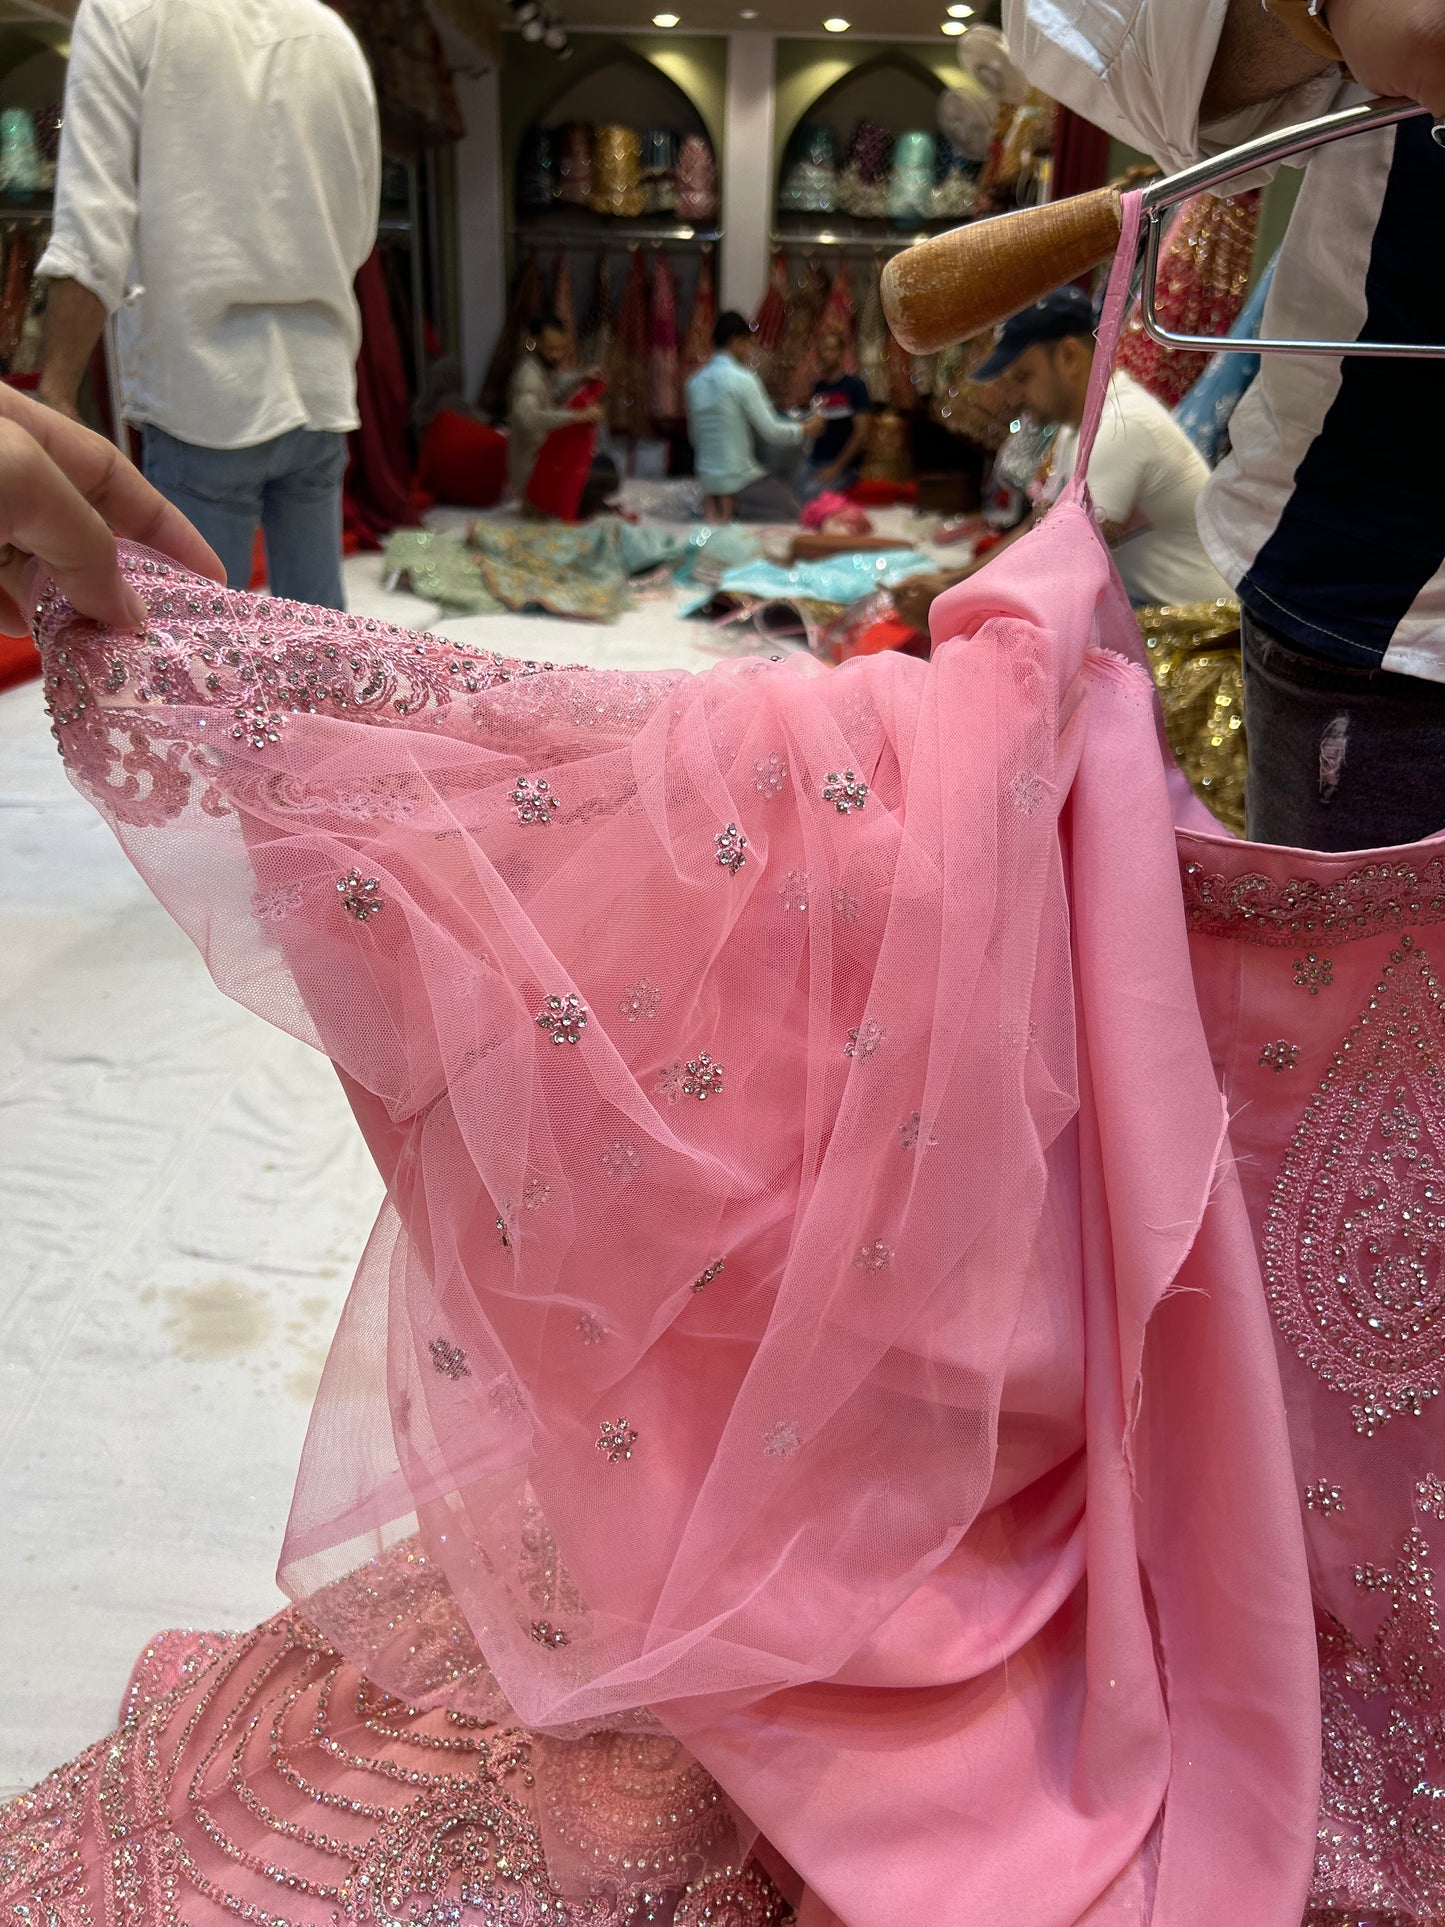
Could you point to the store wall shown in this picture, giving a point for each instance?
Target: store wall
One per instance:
(806, 69)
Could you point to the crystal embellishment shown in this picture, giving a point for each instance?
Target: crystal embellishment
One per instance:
(874, 1257)
(546, 1634)
(640, 1002)
(916, 1130)
(564, 1018)
(1278, 1056)
(535, 800)
(616, 1440)
(731, 848)
(845, 791)
(701, 1282)
(1430, 1495)
(1354, 1241)
(1313, 973)
(360, 896)
(449, 1360)
(783, 1441)
(771, 774)
(863, 1040)
(703, 1078)
(1324, 1498)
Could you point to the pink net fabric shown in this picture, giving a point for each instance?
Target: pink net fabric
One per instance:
(812, 1314)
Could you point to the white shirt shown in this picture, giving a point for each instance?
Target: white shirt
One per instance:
(219, 183)
(1145, 478)
(1328, 515)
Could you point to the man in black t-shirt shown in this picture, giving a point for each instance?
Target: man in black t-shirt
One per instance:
(842, 400)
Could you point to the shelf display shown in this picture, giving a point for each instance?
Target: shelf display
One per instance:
(616, 173)
(910, 191)
(659, 171)
(696, 180)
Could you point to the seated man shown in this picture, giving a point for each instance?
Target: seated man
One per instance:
(537, 405)
(842, 403)
(727, 406)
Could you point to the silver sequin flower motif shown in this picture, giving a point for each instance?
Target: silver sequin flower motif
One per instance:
(449, 1360)
(564, 1018)
(616, 1440)
(257, 725)
(546, 1634)
(783, 1441)
(705, 1279)
(1026, 792)
(794, 889)
(590, 1330)
(772, 773)
(360, 896)
(640, 1001)
(864, 1039)
(535, 800)
(731, 848)
(874, 1257)
(1324, 1498)
(621, 1160)
(845, 791)
(916, 1130)
(1430, 1495)
(1313, 973)
(1279, 1056)
(703, 1078)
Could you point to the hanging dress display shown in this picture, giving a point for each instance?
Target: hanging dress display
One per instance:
(598, 333)
(697, 347)
(563, 304)
(815, 1299)
(837, 318)
(696, 180)
(663, 363)
(525, 303)
(629, 388)
(1203, 275)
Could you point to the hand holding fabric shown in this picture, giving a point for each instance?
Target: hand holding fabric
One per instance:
(65, 493)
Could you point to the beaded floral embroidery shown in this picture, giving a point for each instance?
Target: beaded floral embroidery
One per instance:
(1354, 1243)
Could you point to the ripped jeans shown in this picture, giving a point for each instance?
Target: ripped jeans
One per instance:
(1340, 758)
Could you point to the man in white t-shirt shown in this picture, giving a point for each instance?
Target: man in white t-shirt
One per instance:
(1145, 475)
(218, 190)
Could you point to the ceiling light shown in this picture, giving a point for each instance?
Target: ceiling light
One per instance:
(954, 27)
(748, 13)
(665, 19)
(835, 25)
(959, 12)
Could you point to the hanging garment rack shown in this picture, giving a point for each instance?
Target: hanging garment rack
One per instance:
(954, 286)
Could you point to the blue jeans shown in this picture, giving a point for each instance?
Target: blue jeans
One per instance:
(290, 487)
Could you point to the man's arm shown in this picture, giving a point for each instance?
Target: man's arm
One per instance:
(763, 418)
(1256, 59)
(93, 235)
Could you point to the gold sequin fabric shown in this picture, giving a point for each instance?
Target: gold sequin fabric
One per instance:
(1194, 657)
(261, 1777)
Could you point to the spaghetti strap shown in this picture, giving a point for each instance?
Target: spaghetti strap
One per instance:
(1111, 323)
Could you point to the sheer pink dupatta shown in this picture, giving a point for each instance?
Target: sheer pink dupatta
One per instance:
(794, 1116)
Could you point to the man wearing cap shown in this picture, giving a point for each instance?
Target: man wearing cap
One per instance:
(1145, 474)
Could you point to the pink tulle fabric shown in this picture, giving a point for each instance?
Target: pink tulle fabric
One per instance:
(814, 1311)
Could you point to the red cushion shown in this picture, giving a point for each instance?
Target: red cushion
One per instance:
(559, 474)
(463, 461)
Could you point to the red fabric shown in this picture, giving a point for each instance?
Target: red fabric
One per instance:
(698, 346)
(630, 409)
(664, 369)
(463, 461)
(559, 474)
(893, 633)
(19, 660)
(378, 481)
(260, 574)
(882, 495)
(1081, 155)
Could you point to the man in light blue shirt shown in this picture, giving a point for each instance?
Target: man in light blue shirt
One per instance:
(727, 406)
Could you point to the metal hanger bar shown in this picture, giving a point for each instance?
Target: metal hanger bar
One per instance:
(1267, 150)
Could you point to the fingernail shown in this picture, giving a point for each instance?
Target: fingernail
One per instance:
(137, 614)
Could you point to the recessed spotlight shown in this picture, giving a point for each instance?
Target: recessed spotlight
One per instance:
(959, 12)
(954, 27)
(836, 25)
(665, 19)
(748, 13)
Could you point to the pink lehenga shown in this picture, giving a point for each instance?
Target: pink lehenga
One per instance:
(807, 1428)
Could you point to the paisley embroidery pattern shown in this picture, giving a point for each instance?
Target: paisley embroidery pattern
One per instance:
(1354, 1244)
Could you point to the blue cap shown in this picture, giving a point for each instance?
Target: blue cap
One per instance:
(1056, 316)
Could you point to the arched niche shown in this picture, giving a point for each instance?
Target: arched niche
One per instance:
(891, 87)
